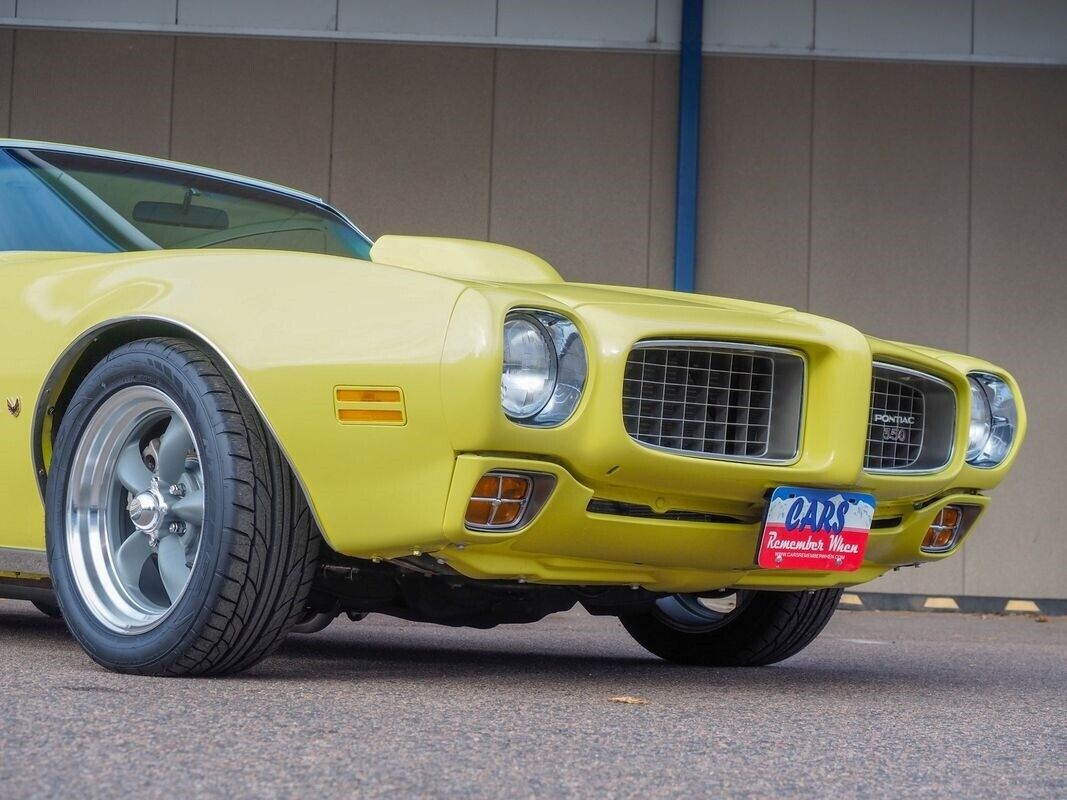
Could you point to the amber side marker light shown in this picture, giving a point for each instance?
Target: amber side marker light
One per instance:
(498, 500)
(948, 528)
(369, 405)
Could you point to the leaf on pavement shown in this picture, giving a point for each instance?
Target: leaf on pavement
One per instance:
(629, 700)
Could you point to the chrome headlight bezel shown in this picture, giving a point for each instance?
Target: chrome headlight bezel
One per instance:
(564, 343)
(994, 420)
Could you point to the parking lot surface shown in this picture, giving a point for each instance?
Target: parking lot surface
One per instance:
(882, 704)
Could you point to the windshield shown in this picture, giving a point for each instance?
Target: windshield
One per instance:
(90, 203)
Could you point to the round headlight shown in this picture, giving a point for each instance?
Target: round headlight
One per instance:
(544, 368)
(528, 379)
(994, 420)
(981, 420)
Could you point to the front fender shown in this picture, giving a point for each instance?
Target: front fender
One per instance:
(292, 327)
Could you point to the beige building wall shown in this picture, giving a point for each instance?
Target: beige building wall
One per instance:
(919, 202)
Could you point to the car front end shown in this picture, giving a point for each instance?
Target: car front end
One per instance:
(691, 412)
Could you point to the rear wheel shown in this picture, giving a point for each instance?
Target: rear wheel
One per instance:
(746, 629)
(178, 539)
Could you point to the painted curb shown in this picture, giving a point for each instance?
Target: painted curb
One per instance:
(885, 601)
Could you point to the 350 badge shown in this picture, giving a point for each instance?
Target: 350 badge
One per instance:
(814, 529)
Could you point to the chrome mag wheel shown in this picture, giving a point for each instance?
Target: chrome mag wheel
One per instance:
(692, 614)
(134, 509)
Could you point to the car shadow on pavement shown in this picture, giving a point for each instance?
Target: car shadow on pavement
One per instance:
(34, 625)
(306, 658)
(424, 654)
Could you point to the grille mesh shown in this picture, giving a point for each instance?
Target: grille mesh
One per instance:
(896, 423)
(702, 400)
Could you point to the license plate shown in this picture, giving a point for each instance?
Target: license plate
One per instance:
(814, 529)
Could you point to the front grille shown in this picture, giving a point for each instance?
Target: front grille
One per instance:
(896, 422)
(714, 399)
(912, 421)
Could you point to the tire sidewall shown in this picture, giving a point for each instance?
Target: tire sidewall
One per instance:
(765, 631)
(139, 364)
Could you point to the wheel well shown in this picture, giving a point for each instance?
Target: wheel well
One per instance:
(76, 363)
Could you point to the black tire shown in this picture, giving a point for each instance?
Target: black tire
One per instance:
(259, 546)
(769, 627)
(48, 609)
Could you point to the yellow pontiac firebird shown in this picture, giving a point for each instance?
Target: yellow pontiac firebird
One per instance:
(230, 416)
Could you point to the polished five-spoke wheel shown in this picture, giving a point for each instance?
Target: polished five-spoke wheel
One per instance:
(135, 509)
(179, 541)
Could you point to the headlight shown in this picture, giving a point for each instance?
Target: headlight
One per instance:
(544, 368)
(994, 420)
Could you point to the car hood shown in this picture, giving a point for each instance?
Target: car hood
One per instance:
(500, 265)
(487, 264)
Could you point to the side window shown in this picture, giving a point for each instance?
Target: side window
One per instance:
(34, 217)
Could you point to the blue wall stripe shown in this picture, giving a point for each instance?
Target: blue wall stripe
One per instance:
(685, 226)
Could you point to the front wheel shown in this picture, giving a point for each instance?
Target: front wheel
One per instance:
(178, 539)
(746, 629)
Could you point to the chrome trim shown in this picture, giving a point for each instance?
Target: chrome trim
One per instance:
(709, 344)
(968, 516)
(27, 563)
(69, 357)
(978, 374)
(954, 417)
(537, 314)
(232, 177)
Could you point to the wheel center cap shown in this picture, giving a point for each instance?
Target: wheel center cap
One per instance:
(144, 511)
(147, 508)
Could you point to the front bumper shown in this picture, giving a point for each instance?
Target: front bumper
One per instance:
(565, 543)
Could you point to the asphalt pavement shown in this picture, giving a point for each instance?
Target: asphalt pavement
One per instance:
(881, 705)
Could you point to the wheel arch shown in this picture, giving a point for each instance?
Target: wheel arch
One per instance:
(92, 346)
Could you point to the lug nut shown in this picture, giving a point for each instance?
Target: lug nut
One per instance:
(176, 527)
(177, 490)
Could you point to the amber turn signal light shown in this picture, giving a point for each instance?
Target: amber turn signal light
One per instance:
(943, 531)
(498, 501)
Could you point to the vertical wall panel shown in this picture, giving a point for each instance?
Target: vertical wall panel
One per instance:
(743, 23)
(1033, 28)
(412, 131)
(426, 17)
(7, 8)
(255, 106)
(160, 12)
(7, 43)
(663, 183)
(105, 90)
(571, 160)
(889, 218)
(1019, 317)
(307, 15)
(626, 21)
(754, 177)
(894, 26)
(889, 199)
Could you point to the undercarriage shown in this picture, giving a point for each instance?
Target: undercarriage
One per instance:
(420, 589)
